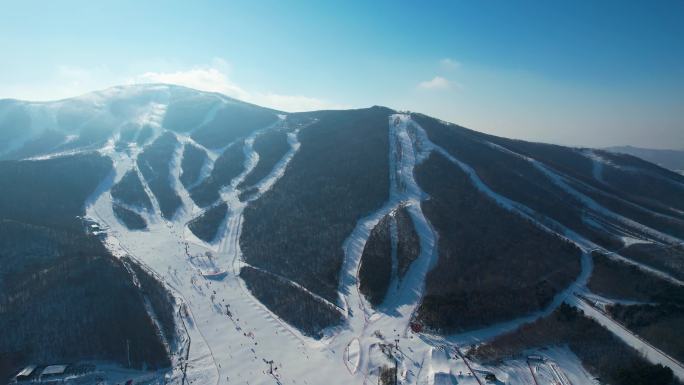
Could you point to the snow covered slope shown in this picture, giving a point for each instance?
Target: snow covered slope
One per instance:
(289, 308)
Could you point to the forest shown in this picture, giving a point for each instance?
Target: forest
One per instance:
(493, 265)
(375, 271)
(187, 110)
(207, 225)
(50, 192)
(660, 324)
(645, 183)
(601, 353)
(294, 305)
(144, 135)
(568, 160)
(160, 298)
(623, 175)
(408, 246)
(619, 280)
(660, 315)
(130, 190)
(339, 175)
(271, 147)
(513, 177)
(517, 179)
(130, 219)
(666, 258)
(227, 166)
(231, 122)
(194, 159)
(665, 224)
(48, 299)
(154, 164)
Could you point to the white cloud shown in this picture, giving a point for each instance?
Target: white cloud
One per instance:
(205, 79)
(295, 102)
(449, 64)
(215, 79)
(69, 81)
(436, 83)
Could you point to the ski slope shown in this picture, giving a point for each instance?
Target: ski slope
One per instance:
(230, 337)
(233, 337)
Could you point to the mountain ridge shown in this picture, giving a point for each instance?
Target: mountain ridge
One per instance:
(672, 159)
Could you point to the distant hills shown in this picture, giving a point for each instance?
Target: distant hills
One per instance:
(672, 159)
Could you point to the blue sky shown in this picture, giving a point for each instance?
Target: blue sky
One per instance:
(572, 72)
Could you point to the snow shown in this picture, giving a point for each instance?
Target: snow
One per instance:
(601, 301)
(352, 355)
(547, 223)
(579, 285)
(393, 315)
(221, 346)
(629, 241)
(35, 128)
(230, 337)
(103, 373)
(279, 169)
(560, 181)
(107, 373)
(600, 212)
(597, 163)
(26, 371)
(142, 104)
(208, 165)
(520, 209)
(152, 115)
(54, 369)
(651, 353)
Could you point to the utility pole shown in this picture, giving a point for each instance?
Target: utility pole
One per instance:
(396, 361)
(270, 366)
(128, 352)
(396, 364)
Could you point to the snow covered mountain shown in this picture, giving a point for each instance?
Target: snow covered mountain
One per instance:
(251, 245)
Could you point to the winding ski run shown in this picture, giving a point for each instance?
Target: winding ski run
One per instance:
(231, 338)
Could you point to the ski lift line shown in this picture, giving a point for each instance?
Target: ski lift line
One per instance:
(458, 351)
(568, 235)
(532, 373)
(179, 294)
(562, 377)
(299, 286)
(624, 328)
(560, 179)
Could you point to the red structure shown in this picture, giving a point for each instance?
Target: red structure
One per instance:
(416, 327)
